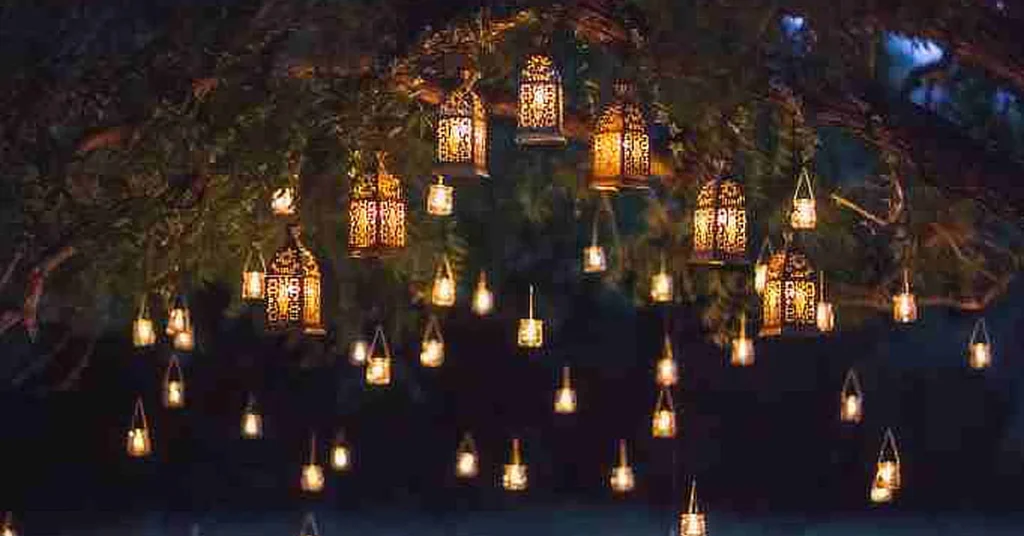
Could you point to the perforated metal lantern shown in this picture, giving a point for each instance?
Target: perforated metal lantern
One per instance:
(620, 151)
(720, 223)
(789, 302)
(541, 104)
(461, 150)
(376, 213)
(293, 288)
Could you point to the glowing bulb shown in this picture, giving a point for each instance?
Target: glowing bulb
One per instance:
(594, 260)
(432, 354)
(980, 355)
(340, 458)
(466, 465)
(252, 285)
(851, 408)
(359, 352)
(282, 201)
(312, 478)
(252, 427)
(175, 395)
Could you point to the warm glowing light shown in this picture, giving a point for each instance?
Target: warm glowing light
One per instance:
(531, 330)
(461, 149)
(904, 304)
(851, 409)
(340, 457)
(378, 364)
(178, 318)
(442, 292)
(514, 477)
(760, 277)
(979, 349)
(541, 106)
(252, 425)
(376, 213)
(143, 332)
(293, 288)
(184, 341)
(483, 298)
(805, 215)
(620, 150)
(742, 346)
(880, 495)
(440, 198)
(887, 479)
(282, 201)
(139, 444)
(825, 313)
(565, 396)
(851, 399)
(661, 285)
(467, 461)
(720, 223)
(789, 302)
(594, 260)
(622, 479)
(432, 347)
(253, 273)
(312, 476)
(174, 394)
(666, 372)
(358, 352)
(693, 522)
(663, 423)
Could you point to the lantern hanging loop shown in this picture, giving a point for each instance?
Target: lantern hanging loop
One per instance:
(889, 448)
(851, 384)
(980, 332)
(378, 335)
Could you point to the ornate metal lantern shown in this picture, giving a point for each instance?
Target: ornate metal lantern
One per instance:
(789, 302)
(565, 396)
(825, 316)
(358, 352)
(442, 292)
(887, 481)
(620, 152)
(851, 399)
(378, 365)
(467, 461)
(666, 371)
(541, 104)
(531, 330)
(311, 479)
(143, 331)
(661, 284)
(252, 421)
(742, 346)
(462, 133)
(979, 349)
(720, 223)
(309, 526)
(253, 274)
(174, 385)
(663, 423)
(432, 347)
(293, 288)
(483, 298)
(622, 479)
(440, 198)
(904, 304)
(805, 214)
(693, 522)
(514, 478)
(139, 443)
(341, 453)
(761, 267)
(376, 213)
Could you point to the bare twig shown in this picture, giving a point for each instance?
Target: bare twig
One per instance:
(75, 375)
(39, 363)
(9, 271)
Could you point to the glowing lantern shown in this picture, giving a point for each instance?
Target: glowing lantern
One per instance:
(720, 223)
(174, 385)
(283, 201)
(541, 105)
(666, 371)
(979, 350)
(440, 198)
(693, 522)
(904, 304)
(7, 528)
(432, 348)
(312, 476)
(139, 444)
(825, 316)
(184, 341)
(742, 346)
(805, 215)
(252, 421)
(789, 302)
(467, 461)
(531, 330)
(594, 260)
(565, 396)
(143, 331)
(376, 213)
(851, 399)
(622, 479)
(442, 292)
(178, 318)
(358, 352)
(761, 267)
(887, 481)
(341, 454)
(483, 298)
(253, 275)
(309, 526)
(663, 423)
(620, 152)
(378, 365)
(514, 477)
(661, 284)
(293, 288)
(462, 133)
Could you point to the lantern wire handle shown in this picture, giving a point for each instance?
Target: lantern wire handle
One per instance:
(467, 444)
(312, 448)
(433, 327)
(664, 400)
(691, 507)
(517, 456)
(623, 455)
(173, 372)
(980, 327)
(852, 383)
(531, 302)
(566, 378)
(139, 416)
(743, 325)
(889, 440)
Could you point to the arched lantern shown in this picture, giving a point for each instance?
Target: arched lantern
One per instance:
(467, 461)
(979, 349)
(293, 288)
(565, 396)
(174, 385)
(309, 526)
(663, 422)
(531, 330)
(442, 291)
(742, 354)
(804, 216)
(462, 132)
(720, 223)
(252, 421)
(514, 477)
(693, 522)
(620, 152)
(139, 444)
(622, 479)
(378, 364)
(376, 213)
(666, 371)
(341, 453)
(851, 399)
(825, 315)
(143, 330)
(887, 481)
(789, 302)
(541, 103)
(440, 198)
(661, 284)
(432, 346)
(253, 275)
(311, 479)
(483, 298)
(904, 303)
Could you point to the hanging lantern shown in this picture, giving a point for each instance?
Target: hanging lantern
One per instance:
(432, 348)
(887, 481)
(531, 330)
(139, 444)
(514, 477)
(442, 292)
(309, 526)
(253, 275)
(622, 479)
(143, 331)
(440, 198)
(7, 528)
(661, 284)
(666, 371)
(805, 214)
(565, 396)
(663, 424)
(376, 213)
(293, 288)
(693, 522)
(283, 201)
(620, 152)
(358, 352)
(541, 105)
(761, 267)
(825, 314)
(788, 305)
(851, 399)
(904, 304)
(979, 350)
(312, 478)
(178, 318)
(252, 421)
(174, 385)
(720, 223)
(462, 133)
(742, 346)
(378, 365)
(594, 261)
(467, 461)
(341, 454)
(483, 298)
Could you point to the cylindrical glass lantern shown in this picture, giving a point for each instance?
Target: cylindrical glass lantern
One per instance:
(514, 477)
(139, 443)
(178, 317)
(531, 330)
(376, 213)
(622, 479)
(253, 273)
(341, 454)
(979, 349)
(541, 104)
(283, 201)
(904, 304)
(432, 347)
(293, 288)
(825, 314)
(252, 421)
(720, 223)
(661, 284)
(805, 213)
(440, 198)
(483, 298)
(742, 354)
(442, 291)
(378, 365)
(663, 422)
(887, 481)
(851, 399)
(143, 330)
(358, 352)
(311, 479)
(666, 371)
(467, 461)
(789, 302)
(620, 151)
(462, 133)
(565, 396)
(174, 385)
(693, 522)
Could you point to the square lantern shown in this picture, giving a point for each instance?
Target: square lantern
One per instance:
(804, 216)
(467, 461)
(620, 151)
(461, 150)
(174, 385)
(440, 198)
(663, 422)
(531, 330)
(143, 329)
(483, 298)
(622, 479)
(789, 302)
(904, 304)
(442, 291)
(376, 213)
(514, 477)
(594, 261)
(720, 224)
(851, 399)
(887, 480)
(432, 346)
(378, 364)
(293, 288)
(139, 444)
(253, 275)
(252, 421)
(541, 103)
(979, 349)
(311, 479)
(565, 396)
(693, 522)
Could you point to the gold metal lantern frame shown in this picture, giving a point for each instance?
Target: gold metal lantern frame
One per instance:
(979, 348)
(531, 330)
(541, 103)
(432, 345)
(376, 213)
(720, 223)
(174, 384)
(693, 522)
(789, 302)
(293, 285)
(620, 151)
(663, 421)
(461, 150)
(378, 364)
(467, 460)
(139, 442)
(851, 399)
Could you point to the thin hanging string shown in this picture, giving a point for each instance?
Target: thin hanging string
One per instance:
(531, 302)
